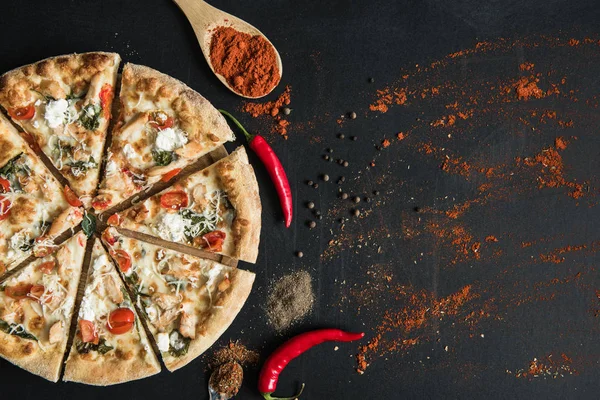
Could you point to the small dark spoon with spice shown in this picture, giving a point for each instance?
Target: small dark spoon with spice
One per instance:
(225, 381)
(256, 69)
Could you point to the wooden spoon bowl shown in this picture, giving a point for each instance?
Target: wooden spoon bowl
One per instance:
(205, 18)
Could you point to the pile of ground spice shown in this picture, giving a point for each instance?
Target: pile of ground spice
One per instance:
(227, 378)
(290, 300)
(233, 351)
(248, 63)
(272, 109)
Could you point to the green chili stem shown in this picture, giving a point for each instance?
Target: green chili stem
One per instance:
(249, 136)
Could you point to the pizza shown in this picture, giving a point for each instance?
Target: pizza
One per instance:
(33, 205)
(97, 304)
(110, 344)
(36, 306)
(216, 209)
(188, 301)
(163, 126)
(64, 105)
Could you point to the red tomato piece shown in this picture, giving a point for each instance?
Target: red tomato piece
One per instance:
(169, 175)
(40, 250)
(120, 321)
(4, 208)
(4, 185)
(47, 267)
(22, 113)
(106, 98)
(108, 238)
(88, 331)
(122, 258)
(214, 240)
(18, 292)
(37, 291)
(114, 220)
(174, 200)
(71, 197)
(157, 121)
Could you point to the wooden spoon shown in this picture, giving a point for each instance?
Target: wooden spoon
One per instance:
(204, 18)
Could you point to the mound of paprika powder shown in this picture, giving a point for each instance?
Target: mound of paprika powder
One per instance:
(248, 63)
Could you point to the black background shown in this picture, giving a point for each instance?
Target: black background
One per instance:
(329, 49)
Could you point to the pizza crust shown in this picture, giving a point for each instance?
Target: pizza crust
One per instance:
(105, 371)
(238, 178)
(241, 285)
(27, 355)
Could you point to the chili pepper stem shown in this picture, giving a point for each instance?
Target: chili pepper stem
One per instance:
(248, 135)
(268, 396)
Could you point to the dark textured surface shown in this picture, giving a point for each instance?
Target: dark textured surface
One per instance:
(329, 49)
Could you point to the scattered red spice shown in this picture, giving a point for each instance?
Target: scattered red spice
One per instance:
(401, 136)
(527, 88)
(248, 63)
(547, 367)
(385, 143)
(272, 109)
(491, 239)
(526, 66)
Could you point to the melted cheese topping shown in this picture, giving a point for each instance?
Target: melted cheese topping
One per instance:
(170, 139)
(60, 112)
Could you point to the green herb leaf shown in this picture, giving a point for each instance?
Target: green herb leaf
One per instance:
(194, 219)
(45, 96)
(101, 347)
(90, 117)
(162, 158)
(88, 224)
(80, 167)
(10, 168)
(182, 344)
(6, 327)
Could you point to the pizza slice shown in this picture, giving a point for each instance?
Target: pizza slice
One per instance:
(64, 105)
(110, 344)
(188, 302)
(34, 208)
(36, 306)
(163, 126)
(216, 209)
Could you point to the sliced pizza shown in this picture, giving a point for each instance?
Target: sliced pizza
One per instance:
(163, 126)
(34, 208)
(36, 306)
(110, 344)
(64, 105)
(216, 209)
(188, 302)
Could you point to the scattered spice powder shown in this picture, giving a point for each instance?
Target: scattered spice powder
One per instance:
(233, 351)
(272, 109)
(248, 63)
(548, 367)
(227, 378)
(290, 300)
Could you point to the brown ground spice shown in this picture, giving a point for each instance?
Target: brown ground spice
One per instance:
(291, 299)
(227, 378)
(233, 351)
(248, 63)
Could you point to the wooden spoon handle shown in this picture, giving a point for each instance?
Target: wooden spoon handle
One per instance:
(201, 15)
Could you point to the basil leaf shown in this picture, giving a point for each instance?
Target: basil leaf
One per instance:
(101, 347)
(27, 245)
(183, 344)
(10, 167)
(80, 167)
(90, 117)
(6, 327)
(88, 224)
(194, 219)
(162, 158)
(46, 96)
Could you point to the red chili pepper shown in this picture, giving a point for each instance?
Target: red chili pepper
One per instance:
(269, 374)
(274, 167)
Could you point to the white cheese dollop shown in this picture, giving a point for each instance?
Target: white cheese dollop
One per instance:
(163, 341)
(87, 308)
(101, 264)
(213, 274)
(172, 227)
(111, 168)
(59, 112)
(170, 139)
(129, 151)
